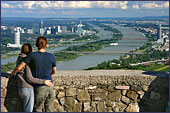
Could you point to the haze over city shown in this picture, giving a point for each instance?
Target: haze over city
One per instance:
(77, 9)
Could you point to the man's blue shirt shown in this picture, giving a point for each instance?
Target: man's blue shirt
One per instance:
(41, 64)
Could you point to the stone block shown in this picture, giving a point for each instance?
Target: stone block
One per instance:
(155, 95)
(115, 96)
(109, 103)
(132, 95)
(62, 101)
(136, 88)
(145, 87)
(86, 106)
(93, 107)
(132, 107)
(124, 92)
(100, 95)
(115, 109)
(125, 100)
(141, 94)
(71, 92)
(109, 109)
(4, 82)
(110, 88)
(121, 106)
(122, 87)
(61, 94)
(83, 95)
(58, 107)
(91, 87)
(59, 87)
(77, 107)
(101, 107)
(3, 92)
(69, 104)
(3, 108)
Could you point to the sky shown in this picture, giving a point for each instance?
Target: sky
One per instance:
(79, 9)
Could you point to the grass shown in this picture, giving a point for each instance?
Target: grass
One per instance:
(156, 67)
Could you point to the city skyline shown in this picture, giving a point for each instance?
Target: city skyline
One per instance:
(78, 9)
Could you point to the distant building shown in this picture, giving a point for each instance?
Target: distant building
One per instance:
(59, 29)
(53, 30)
(35, 29)
(17, 40)
(64, 29)
(4, 27)
(80, 30)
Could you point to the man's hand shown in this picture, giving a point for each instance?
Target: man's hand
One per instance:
(48, 83)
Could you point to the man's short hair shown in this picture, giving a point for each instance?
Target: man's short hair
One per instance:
(41, 43)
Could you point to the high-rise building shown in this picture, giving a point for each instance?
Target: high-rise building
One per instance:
(35, 29)
(59, 29)
(53, 30)
(64, 29)
(42, 29)
(17, 37)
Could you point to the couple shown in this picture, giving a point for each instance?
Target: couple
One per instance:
(41, 65)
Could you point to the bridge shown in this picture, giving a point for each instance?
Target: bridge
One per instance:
(102, 53)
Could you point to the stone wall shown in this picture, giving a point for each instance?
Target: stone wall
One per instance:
(100, 91)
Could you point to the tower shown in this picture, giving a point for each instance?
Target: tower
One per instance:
(41, 29)
(17, 37)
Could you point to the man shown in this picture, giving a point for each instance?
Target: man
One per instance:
(42, 65)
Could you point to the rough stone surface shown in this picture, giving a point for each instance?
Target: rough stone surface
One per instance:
(121, 106)
(132, 95)
(62, 101)
(61, 94)
(115, 96)
(3, 92)
(69, 104)
(87, 106)
(135, 88)
(109, 103)
(83, 95)
(100, 95)
(124, 92)
(109, 109)
(141, 94)
(145, 87)
(125, 100)
(148, 90)
(71, 92)
(101, 107)
(133, 107)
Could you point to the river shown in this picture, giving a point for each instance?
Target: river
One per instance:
(86, 61)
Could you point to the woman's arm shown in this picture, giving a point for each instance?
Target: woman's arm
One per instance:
(32, 80)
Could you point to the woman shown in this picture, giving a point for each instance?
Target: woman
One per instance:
(25, 79)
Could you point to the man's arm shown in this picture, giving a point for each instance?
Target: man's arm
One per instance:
(17, 69)
(53, 71)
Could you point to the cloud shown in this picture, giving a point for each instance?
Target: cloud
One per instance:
(135, 6)
(5, 5)
(66, 4)
(153, 5)
(112, 4)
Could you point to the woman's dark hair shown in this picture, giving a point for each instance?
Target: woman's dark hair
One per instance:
(41, 43)
(26, 48)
